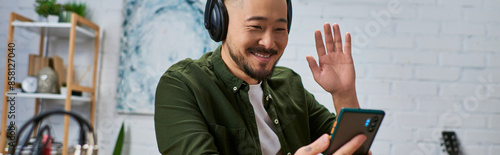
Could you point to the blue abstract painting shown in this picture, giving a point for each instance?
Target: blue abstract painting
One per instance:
(156, 34)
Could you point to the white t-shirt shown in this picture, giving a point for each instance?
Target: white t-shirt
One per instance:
(269, 142)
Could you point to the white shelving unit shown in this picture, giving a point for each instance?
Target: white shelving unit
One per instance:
(59, 30)
(47, 96)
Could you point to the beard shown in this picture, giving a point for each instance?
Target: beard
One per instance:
(255, 73)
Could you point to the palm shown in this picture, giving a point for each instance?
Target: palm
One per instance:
(335, 72)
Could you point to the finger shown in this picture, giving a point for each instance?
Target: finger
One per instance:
(370, 152)
(337, 38)
(330, 46)
(316, 147)
(351, 146)
(347, 46)
(320, 47)
(313, 66)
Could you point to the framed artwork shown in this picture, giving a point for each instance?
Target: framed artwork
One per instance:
(156, 34)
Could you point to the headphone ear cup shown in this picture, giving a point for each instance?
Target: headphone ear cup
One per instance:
(215, 24)
(216, 20)
(224, 21)
(289, 14)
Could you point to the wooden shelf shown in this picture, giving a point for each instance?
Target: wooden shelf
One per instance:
(79, 29)
(60, 30)
(47, 96)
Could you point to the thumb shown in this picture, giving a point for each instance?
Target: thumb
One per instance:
(351, 146)
(313, 66)
(318, 146)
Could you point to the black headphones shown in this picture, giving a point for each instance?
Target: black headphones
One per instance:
(216, 19)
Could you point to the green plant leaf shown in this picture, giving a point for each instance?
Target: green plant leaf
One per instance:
(78, 8)
(47, 7)
(119, 141)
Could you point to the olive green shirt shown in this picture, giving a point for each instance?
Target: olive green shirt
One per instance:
(202, 108)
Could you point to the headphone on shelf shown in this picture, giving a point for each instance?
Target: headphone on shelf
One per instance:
(80, 149)
(216, 19)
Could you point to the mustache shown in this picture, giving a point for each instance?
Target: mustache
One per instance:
(262, 50)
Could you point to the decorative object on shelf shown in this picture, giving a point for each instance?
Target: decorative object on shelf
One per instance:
(48, 8)
(37, 62)
(29, 84)
(53, 19)
(65, 16)
(70, 7)
(60, 69)
(64, 89)
(47, 81)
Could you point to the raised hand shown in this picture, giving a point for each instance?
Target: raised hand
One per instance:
(335, 72)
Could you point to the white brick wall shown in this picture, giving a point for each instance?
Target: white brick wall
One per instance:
(418, 88)
(422, 68)
(392, 102)
(463, 28)
(392, 42)
(463, 59)
(415, 57)
(482, 44)
(437, 73)
(432, 65)
(415, 27)
(391, 71)
(435, 42)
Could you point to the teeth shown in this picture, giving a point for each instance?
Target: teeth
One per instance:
(260, 55)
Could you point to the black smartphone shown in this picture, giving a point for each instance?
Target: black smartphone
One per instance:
(351, 122)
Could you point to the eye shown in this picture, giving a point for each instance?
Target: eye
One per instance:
(256, 27)
(280, 29)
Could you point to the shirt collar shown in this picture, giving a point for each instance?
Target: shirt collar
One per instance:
(222, 72)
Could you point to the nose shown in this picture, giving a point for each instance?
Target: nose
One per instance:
(268, 40)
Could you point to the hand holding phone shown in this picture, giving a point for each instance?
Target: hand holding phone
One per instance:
(321, 144)
(351, 122)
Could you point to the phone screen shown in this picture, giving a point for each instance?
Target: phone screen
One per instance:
(351, 122)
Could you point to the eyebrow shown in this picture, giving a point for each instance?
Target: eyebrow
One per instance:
(283, 20)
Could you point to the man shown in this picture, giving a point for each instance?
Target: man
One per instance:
(235, 101)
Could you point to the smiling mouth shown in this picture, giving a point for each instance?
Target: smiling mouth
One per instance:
(262, 55)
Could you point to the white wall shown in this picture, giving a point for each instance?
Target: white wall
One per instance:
(430, 64)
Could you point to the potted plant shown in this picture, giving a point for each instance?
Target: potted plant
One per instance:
(70, 7)
(48, 8)
(63, 89)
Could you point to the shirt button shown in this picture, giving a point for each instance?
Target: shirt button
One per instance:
(289, 153)
(234, 88)
(268, 97)
(276, 121)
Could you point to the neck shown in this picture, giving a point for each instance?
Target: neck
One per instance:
(233, 67)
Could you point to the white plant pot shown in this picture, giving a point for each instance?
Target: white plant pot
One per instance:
(53, 19)
(42, 19)
(63, 91)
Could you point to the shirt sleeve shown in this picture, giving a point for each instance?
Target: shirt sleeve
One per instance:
(180, 126)
(320, 119)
